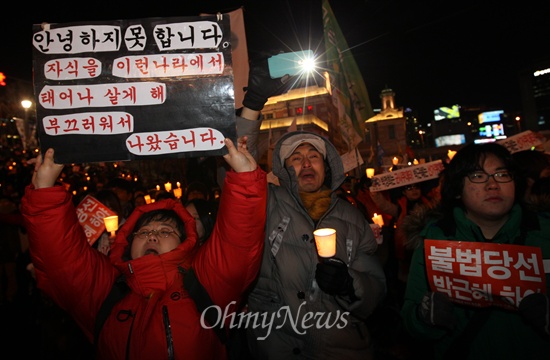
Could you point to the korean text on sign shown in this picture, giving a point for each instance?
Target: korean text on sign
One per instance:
(409, 175)
(90, 214)
(484, 274)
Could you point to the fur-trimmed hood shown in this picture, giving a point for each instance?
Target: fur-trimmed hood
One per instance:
(416, 221)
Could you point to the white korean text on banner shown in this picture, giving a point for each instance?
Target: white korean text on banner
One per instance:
(134, 89)
(409, 175)
(484, 274)
(91, 212)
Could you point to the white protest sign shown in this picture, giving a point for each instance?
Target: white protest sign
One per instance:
(522, 141)
(351, 160)
(409, 175)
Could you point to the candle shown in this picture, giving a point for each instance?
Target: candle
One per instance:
(325, 240)
(168, 186)
(415, 162)
(377, 219)
(451, 154)
(370, 172)
(111, 224)
(395, 160)
(178, 184)
(147, 199)
(158, 187)
(177, 192)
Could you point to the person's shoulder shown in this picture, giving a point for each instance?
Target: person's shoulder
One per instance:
(544, 220)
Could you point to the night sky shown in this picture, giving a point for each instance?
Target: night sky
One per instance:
(431, 53)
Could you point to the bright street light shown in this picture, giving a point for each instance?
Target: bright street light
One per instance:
(26, 104)
(26, 126)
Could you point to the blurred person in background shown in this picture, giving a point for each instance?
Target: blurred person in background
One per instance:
(204, 212)
(533, 165)
(124, 189)
(110, 199)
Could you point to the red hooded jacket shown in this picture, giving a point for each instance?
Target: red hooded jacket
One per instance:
(157, 319)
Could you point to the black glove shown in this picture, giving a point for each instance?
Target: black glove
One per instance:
(261, 86)
(437, 309)
(534, 309)
(333, 278)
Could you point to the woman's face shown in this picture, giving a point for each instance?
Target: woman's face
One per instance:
(157, 237)
(491, 200)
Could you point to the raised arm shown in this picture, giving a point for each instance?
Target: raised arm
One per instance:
(260, 87)
(46, 171)
(238, 157)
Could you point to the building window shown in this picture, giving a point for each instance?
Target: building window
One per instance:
(300, 110)
(268, 116)
(391, 132)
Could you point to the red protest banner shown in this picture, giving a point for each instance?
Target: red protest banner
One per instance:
(90, 214)
(484, 274)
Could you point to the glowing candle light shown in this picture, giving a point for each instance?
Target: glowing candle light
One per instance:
(451, 154)
(370, 172)
(377, 219)
(111, 224)
(325, 240)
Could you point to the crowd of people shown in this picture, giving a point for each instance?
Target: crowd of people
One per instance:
(252, 252)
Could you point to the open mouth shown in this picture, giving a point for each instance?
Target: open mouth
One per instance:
(151, 251)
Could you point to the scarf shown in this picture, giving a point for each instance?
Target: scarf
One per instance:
(317, 203)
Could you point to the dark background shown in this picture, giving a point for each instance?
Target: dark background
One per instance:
(431, 53)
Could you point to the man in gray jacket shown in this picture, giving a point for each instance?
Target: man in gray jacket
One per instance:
(305, 306)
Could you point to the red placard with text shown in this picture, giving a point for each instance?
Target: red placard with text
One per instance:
(90, 214)
(484, 274)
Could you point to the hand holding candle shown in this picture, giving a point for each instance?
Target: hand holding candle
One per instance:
(325, 240)
(377, 231)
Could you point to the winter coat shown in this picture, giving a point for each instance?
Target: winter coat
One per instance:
(400, 237)
(503, 335)
(286, 291)
(157, 319)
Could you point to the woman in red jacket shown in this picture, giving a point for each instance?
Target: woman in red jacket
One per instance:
(157, 319)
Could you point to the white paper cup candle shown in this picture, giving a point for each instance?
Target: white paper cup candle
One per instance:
(325, 239)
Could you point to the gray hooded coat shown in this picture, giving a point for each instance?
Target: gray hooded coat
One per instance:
(294, 318)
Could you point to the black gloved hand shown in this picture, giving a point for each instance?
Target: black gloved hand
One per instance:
(333, 277)
(261, 86)
(534, 309)
(437, 309)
